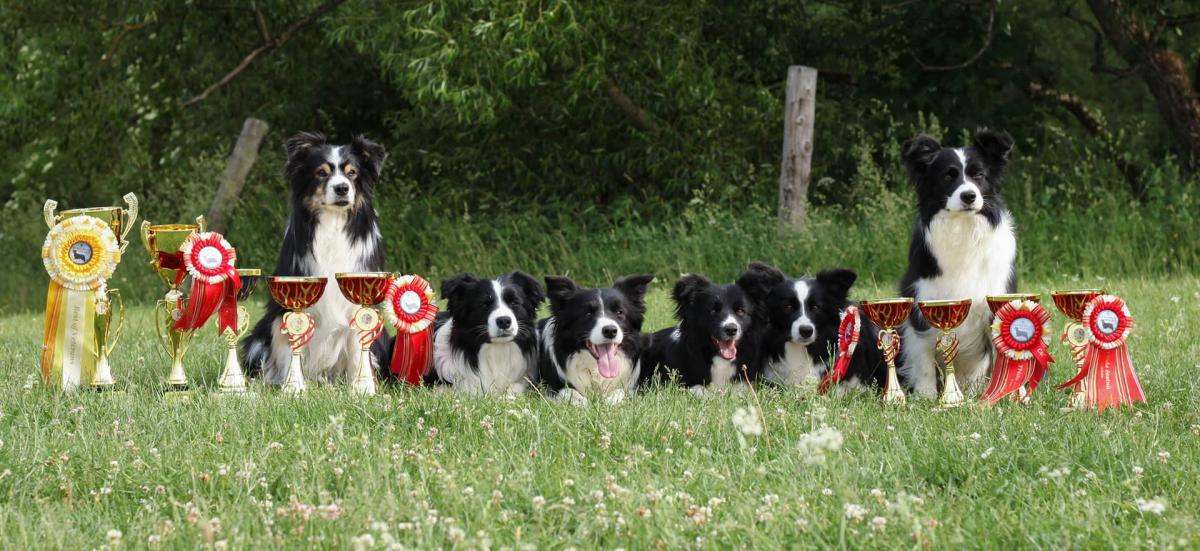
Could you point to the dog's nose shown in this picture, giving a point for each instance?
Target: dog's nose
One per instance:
(504, 322)
(609, 331)
(967, 197)
(341, 189)
(730, 329)
(805, 331)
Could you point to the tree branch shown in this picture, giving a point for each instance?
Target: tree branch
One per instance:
(269, 45)
(263, 31)
(632, 110)
(987, 42)
(126, 29)
(1099, 59)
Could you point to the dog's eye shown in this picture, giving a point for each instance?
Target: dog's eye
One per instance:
(787, 307)
(978, 174)
(741, 311)
(352, 174)
(322, 172)
(620, 313)
(951, 175)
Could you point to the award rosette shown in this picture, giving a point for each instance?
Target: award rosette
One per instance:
(1107, 377)
(848, 334)
(212, 263)
(410, 307)
(80, 254)
(1021, 333)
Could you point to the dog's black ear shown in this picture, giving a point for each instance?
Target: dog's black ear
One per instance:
(918, 153)
(687, 287)
(758, 280)
(838, 281)
(371, 153)
(299, 145)
(531, 287)
(995, 145)
(559, 289)
(453, 287)
(634, 287)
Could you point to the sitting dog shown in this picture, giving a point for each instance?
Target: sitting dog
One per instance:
(486, 340)
(591, 342)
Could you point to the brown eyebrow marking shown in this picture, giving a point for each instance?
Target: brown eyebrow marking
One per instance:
(326, 166)
(348, 168)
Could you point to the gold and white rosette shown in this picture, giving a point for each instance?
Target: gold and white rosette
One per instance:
(80, 254)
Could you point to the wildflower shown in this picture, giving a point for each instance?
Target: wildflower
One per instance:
(274, 446)
(113, 536)
(365, 541)
(878, 523)
(568, 501)
(643, 512)
(854, 511)
(699, 515)
(456, 535)
(539, 502)
(1164, 456)
(976, 436)
(815, 445)
(987, 453)
(746, 421)
(1155, 506)
(827, 492)
(1138, 470)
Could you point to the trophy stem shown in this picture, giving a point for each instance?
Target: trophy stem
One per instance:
(889, 344)
(233, 380)
(952, 395)
(369, 325)
(103, 379)
(364, 381)
(294, 383)
(1075, 336)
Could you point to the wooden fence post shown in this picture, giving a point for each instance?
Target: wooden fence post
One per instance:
(245, 152)
(798, 113)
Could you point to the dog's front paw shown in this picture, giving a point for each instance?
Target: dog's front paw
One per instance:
(615, 397)
(926, 388)
(699, 391)
(572, 396)
(514, 390)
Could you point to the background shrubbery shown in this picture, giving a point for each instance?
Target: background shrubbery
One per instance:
(507, 148)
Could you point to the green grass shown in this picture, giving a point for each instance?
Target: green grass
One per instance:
(431, 469)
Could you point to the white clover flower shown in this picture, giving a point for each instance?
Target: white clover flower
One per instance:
(746, 421)
(987, 453)
(1138, 470)
(854, 511)
(1156, 506)
(816, 445)
(1164, 456)
(976, 436)
(878, 524)
(113, 536)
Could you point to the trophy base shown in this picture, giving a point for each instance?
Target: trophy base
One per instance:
(106, 388)
(177, 392)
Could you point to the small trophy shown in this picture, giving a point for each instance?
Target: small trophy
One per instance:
(233, 378)
(295, 294)
(946, 315)
(1021, 356)
(889, 314)
(163, 243)
(366, 289)
(1075, 335)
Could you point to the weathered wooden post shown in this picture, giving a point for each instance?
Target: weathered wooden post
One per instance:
(245, 152)
(798, 113)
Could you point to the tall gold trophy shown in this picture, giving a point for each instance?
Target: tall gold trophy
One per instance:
(889, 314)
(1075, 335)
(366, 289)
(162, 243)
(108, 301)
(233, 377)
(295, 294)
(946, 315)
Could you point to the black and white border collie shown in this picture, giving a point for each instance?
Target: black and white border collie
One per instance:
(963, 246)
(486, 340)
(591, 342)
(332, 227)
(801, 318)
(714, 339)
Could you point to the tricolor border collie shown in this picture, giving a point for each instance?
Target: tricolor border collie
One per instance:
(963, 246)
(332, 227)
(486, 340)
(800, 319)
(714, 339)
(591, 342)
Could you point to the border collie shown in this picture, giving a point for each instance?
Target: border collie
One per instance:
(332, 227)
(801, 318)
(591, 341)
(963, 246)
(486, 340)
(715, 336)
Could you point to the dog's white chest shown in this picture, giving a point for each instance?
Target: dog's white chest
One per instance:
(794, 367)
(499, 365)
(723, 372)
(582, 372)
(975, 259)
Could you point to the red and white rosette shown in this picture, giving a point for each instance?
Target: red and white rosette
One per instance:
(212, 263)
(1107, 373)
(411, 308)
(849, 331)
(1021, 333)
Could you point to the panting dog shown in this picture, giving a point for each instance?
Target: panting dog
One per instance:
(486, 340)
(801, 317)
(332, 227)
(714, 340)
(591, 343)
(963, 246)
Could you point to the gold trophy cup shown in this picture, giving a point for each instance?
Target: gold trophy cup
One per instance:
(233, 378)
(295, 294)
(1071, 304)
(120, 220)
(162, 242)
(946, 315)
(366, 289)
(889, 314)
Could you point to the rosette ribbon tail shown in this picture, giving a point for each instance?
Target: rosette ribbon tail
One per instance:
(227, 318)
(410, 306)
(1007, 378)
(1115, 384)
(848, 336)
(68, 349)
(1041, 366)
(412, 356)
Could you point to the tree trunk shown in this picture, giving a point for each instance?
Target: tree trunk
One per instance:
(1162, 69)
(245, 152)
(798, 112)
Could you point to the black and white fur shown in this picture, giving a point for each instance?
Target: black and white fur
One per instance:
(963, 246)
(332, 227)
(715, 337)
(486, 340)
(591, 342)
(801, 318)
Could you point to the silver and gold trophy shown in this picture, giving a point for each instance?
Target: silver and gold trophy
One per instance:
(233, 377)
(163, 243)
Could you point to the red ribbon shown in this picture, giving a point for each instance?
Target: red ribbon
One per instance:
(212, 287)
(1108, 378)
(1018, 363)
(848, 335)
(173, 261)
(412, 353)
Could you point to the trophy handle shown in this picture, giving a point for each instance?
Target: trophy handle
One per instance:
(48, 212)
(162, 313)
(200, 221)
(116, 306)
(145, 232)
(128, 216)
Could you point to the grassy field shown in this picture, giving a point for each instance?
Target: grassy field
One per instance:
(664, 469)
